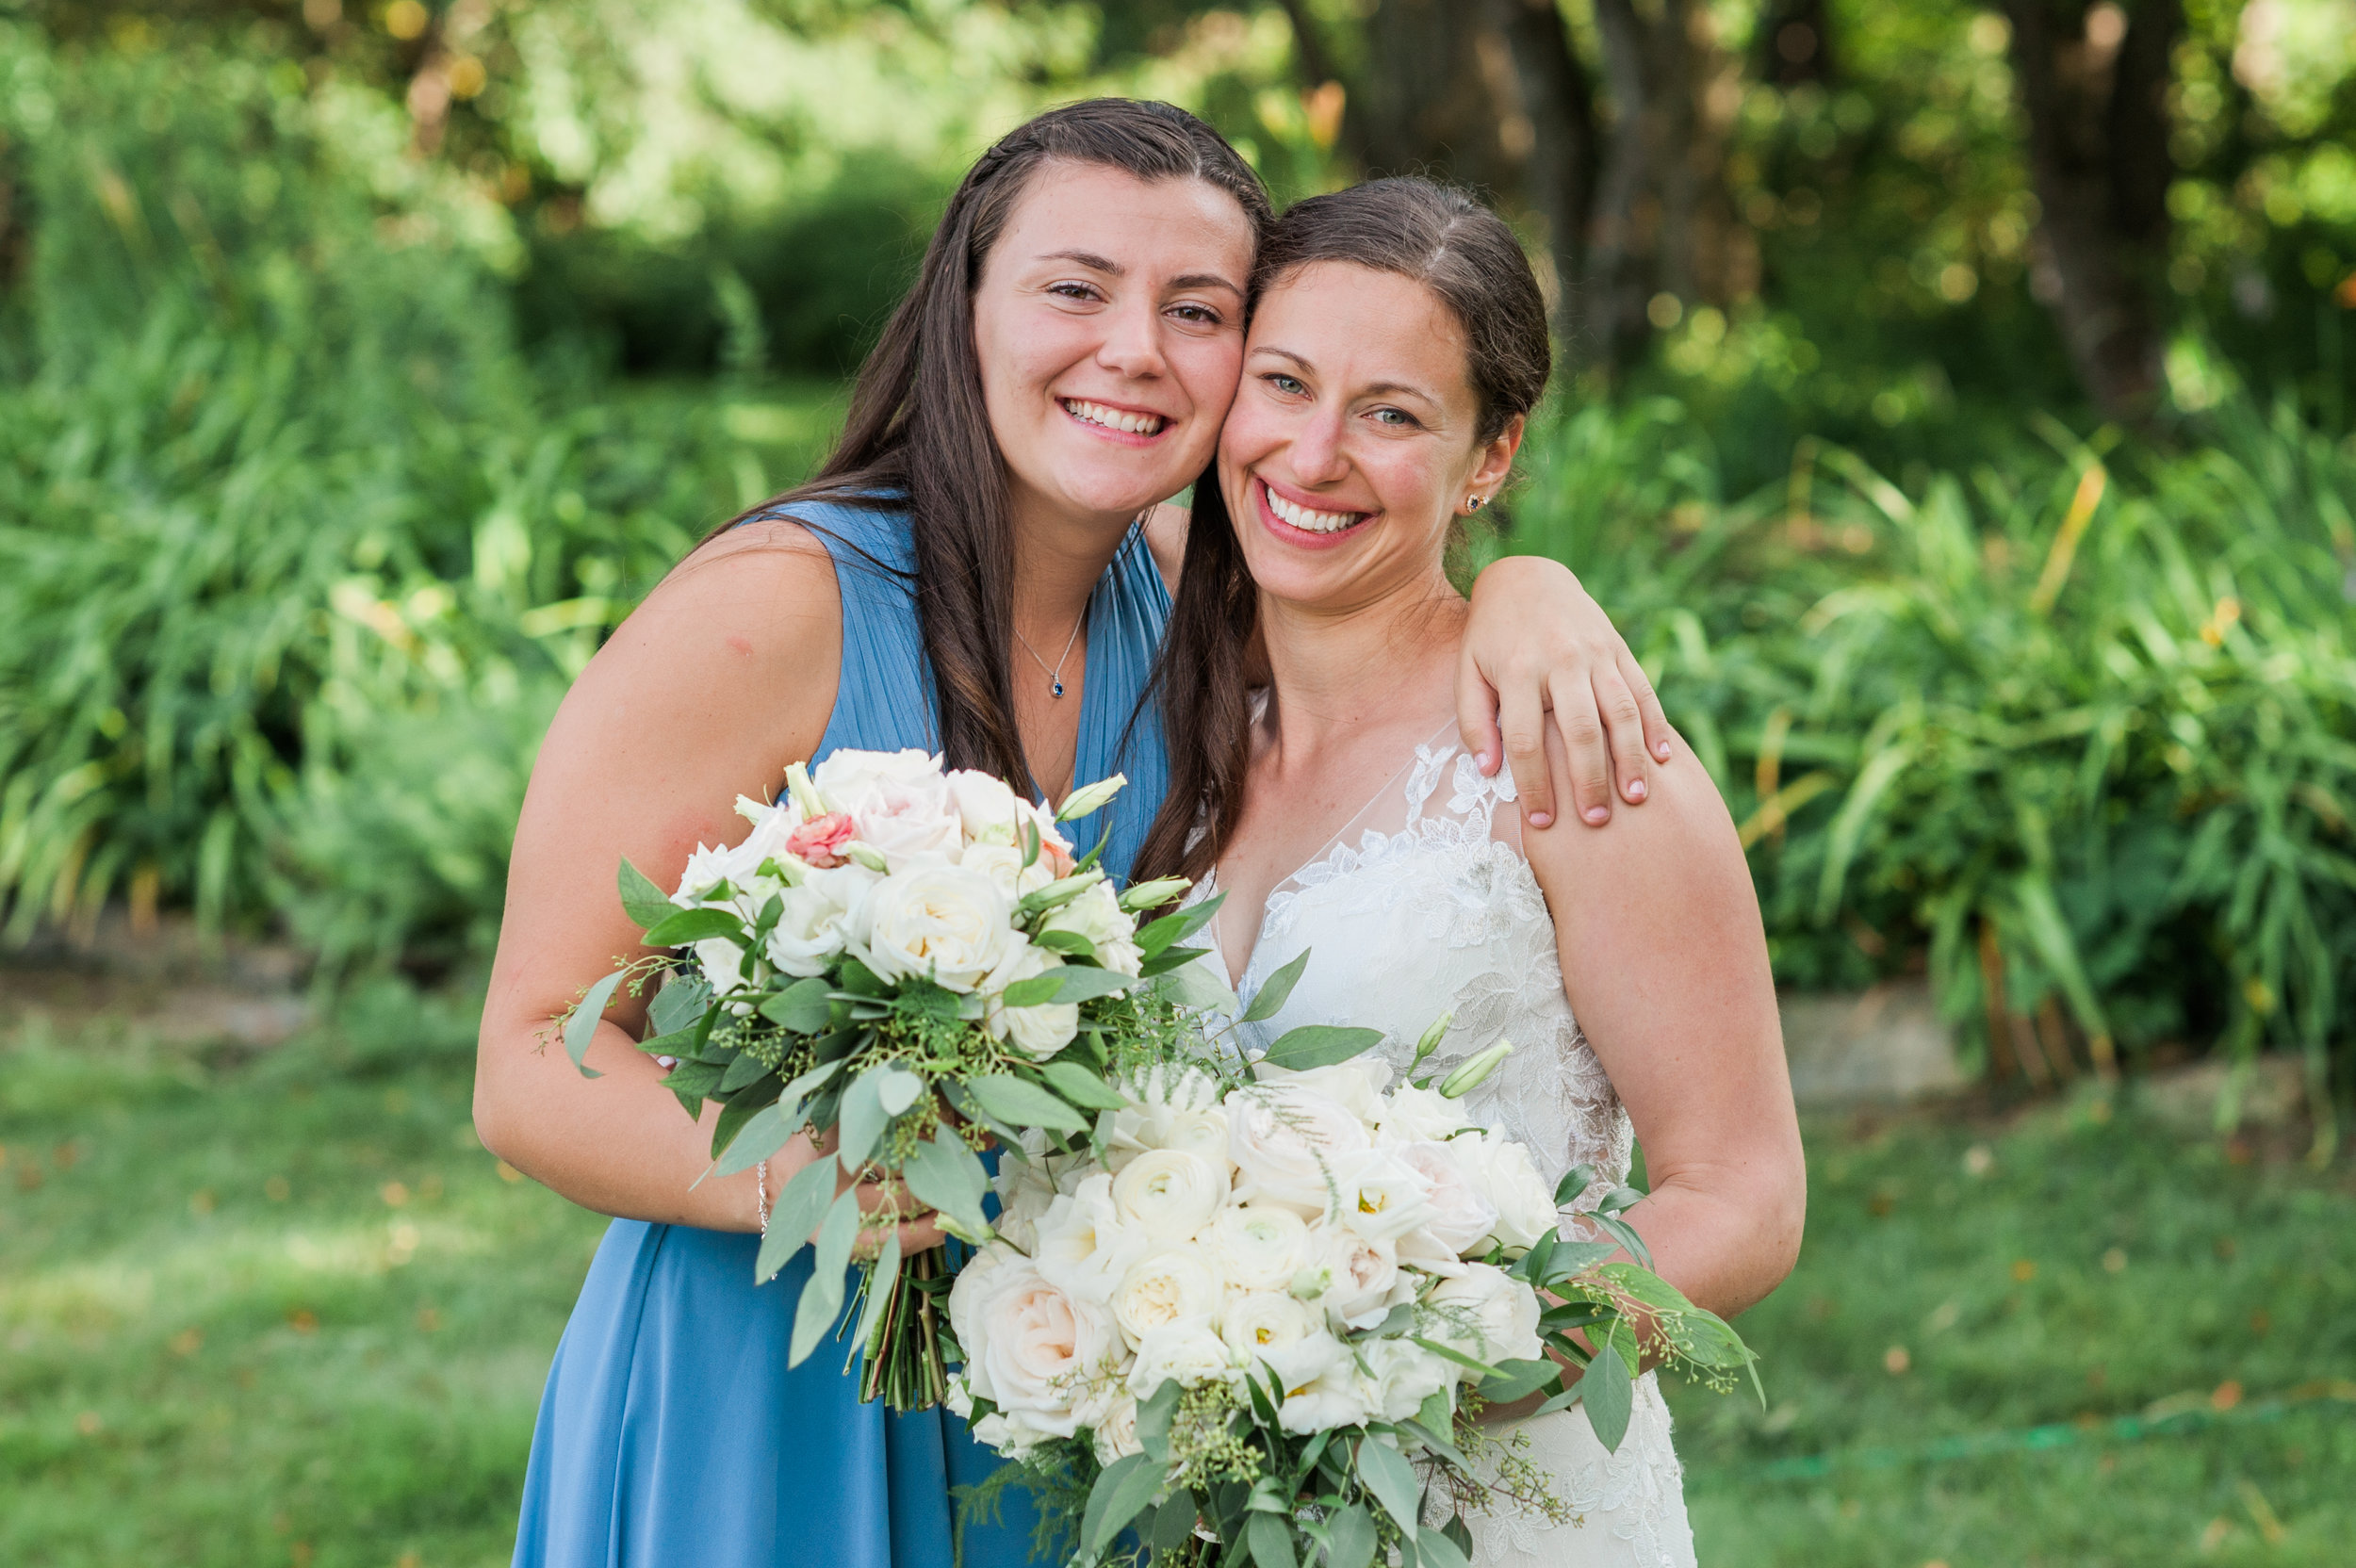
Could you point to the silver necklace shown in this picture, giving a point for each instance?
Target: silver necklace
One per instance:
(1055, 676)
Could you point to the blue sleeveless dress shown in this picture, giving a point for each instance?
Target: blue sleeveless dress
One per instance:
(672, 1432)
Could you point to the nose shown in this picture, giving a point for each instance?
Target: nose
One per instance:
(1133, 341)
(1316, 457)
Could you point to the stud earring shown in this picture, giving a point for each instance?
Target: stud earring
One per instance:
(1474, 503)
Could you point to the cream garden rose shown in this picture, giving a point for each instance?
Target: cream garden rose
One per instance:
(943, 923)
(1163, 1287)
(1283, 1140)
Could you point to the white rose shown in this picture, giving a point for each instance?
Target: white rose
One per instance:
(1283, 1140)
(1187, 1351)
(1364, 1278)
(910, 824)
(1169, 1107)
(1384, 1196)
(972, 1288)
(772, 826)
(1162, 1287)
(1039, 1032)
(1460, 1217)
(1508, 1178)
(1003, 864)
(1259, 1246)
(1096, 914)
(939, 921)
(847, 776)
(985, 806)
(722, 963)
(809, 933)
(1400, 1376)
(1117, 1431)
(706, 869)
(1421, 1116)
(1026, 1189)
(1037, 1348)
(1356, 1084)
(1083, 1245)
(1169, 1194)
(1488, 1314)
(1335, 1398)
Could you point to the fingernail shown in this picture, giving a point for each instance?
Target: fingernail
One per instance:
(1635, 789)
(1542, 819)
(1598, 816)
(1661, 751)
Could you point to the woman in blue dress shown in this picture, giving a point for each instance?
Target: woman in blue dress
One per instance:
(981, 569)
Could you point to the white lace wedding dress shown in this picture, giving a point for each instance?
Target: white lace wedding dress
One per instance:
(1423, 904)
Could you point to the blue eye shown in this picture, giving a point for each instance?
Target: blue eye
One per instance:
(1395, 418)
(1286, 385)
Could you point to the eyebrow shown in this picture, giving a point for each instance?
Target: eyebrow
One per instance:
(1377, 389)
(1095, 263)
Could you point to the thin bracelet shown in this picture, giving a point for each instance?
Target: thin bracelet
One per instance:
(760, 1187)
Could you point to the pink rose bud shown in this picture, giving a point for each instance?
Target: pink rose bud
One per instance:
(820, 841)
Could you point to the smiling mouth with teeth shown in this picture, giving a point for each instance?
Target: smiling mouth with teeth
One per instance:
(1307, 519)
(1113, 418)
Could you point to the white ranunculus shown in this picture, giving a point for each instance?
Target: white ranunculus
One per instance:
(1039, 1032)
(1169, 1194)
(1281, 1333)
(985, 806)
(1421, 1116)
(1169, 1107)
(1037, 1348)
(1084, 1246)
(1003, 864)
(1117, 1429)
(1259, 1246)
(809, 933)
(1400, 1376)
(1188, 1349)
(722, 964)
(1488, 1314)
(1508, 1178)
(1364, 1278)
(1357, 1084)
(1460, 1215)
(1096, 914)
(1384, 1196)
(1337, 1396)
(1163, 1287)
(939, 921)
(1283, 1140)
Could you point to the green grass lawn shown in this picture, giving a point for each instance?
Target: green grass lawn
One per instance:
(289, 1312)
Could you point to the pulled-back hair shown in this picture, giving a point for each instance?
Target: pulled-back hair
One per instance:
(1465, 254)
(918, 438)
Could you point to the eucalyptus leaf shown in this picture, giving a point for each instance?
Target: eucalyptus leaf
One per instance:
(1276, 991)
(863, 1118)
(679, 1005)
(1575, 1181)
(683, 926)
(1353, 1538)
(1196, 985)
(1610, 1394)
(745, 1068)
(1067, 983)
(1174, 928)
(769, 1129)
(1390, 1478)
(1023, 1103)
(1434, 1549)
(1069, 943)
(1516, 1379)
(793, 1216)
(641, 900)
(822, 1296)
(944, 1174)
(742, 1107)
(1173, 1522)
(1124, 1488)
(582, 1026)
(1320, 1045)
(1270, 1537)
(1081, 1087)
(898, 1088)
(1155, 1415)
(803, 1007)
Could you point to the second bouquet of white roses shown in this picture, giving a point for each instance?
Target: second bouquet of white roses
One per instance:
(910, 959)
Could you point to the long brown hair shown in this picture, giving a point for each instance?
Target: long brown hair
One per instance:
(918, 438)
(1445, 240)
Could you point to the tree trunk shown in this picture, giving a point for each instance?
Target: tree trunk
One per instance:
(1427, 107)
(2093, 81)
(1552, 97)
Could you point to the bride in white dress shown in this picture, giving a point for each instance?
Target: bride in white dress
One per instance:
(1398, 342)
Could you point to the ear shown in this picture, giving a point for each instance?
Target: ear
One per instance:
(1494, 460)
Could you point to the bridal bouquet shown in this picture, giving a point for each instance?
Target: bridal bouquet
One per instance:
(1256, 1318)
(908, 960)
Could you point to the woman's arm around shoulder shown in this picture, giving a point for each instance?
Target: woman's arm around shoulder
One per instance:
(725, 673)
(1665, 965)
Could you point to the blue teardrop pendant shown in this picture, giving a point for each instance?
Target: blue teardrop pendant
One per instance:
(1057, 690)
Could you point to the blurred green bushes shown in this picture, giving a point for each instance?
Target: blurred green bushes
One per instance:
(2080, 733)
